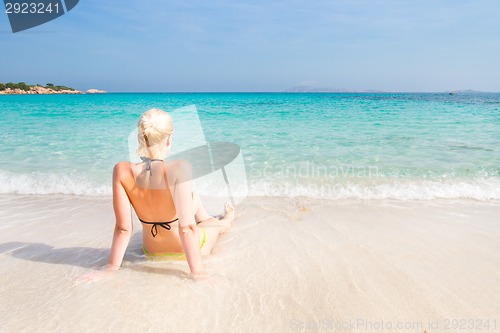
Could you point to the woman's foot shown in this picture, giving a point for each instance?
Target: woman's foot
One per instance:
(228, 211)
(228, 216)
(227, 206)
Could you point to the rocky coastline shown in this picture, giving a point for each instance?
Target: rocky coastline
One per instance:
(95, 91)
(38, 91)
(22, 88)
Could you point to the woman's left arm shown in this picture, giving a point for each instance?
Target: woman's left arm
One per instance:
(123, 226)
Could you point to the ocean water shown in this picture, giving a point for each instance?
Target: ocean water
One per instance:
(368, 146)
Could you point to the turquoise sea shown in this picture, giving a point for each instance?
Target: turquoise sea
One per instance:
(326, 145)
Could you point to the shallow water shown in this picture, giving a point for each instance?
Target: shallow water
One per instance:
(287, 265)
(373, 146)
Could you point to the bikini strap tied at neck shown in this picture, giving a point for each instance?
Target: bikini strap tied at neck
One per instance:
(148, 163)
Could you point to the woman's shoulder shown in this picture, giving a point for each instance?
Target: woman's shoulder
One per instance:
(123, 165)
(179, 168)
(122, 168)
(178, 164)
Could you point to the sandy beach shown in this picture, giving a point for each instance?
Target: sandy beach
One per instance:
(288, 265)
(359, 142)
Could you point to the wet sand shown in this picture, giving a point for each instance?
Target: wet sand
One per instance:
(287, 265)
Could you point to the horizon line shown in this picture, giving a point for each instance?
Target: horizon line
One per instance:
(303, 92)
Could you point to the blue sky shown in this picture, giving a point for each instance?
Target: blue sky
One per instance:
(255, 45)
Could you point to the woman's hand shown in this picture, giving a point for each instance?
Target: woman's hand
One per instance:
(198, 275)
(96, 275)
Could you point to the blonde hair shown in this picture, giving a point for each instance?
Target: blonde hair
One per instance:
(154, 127)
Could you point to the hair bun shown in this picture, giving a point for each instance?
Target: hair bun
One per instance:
(146, 124)
(154, 127)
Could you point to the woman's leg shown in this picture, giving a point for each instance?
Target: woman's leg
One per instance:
(200, 214)
(213, 227)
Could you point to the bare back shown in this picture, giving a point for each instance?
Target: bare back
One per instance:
(152, 204)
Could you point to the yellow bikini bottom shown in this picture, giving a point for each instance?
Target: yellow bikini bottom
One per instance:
(173, 255)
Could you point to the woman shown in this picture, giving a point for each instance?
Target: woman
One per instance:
(175, 223)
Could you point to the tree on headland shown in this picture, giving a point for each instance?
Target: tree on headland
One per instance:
(49, 85)
(12, 85)
(23, 86)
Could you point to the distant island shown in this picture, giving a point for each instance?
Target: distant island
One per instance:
(310, 89)
(37, 89)
(95, 91)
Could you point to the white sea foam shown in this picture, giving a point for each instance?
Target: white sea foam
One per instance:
(478, 189)
(419, 189)
(50, 183)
